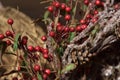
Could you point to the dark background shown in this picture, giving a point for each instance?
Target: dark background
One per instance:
(32, 8)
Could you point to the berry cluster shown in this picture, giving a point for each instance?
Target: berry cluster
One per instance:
(60, 34)
(8, 34)
(30, 53)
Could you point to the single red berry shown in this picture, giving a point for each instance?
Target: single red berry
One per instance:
(57, 4)
(52, 33)
(89, 16)
(94, 20)
(50, 8)
(31, 48)
(45, 56)
(45, 51)
(58, 24)
(10, 21)
(43, 38)
(98, 2)
(34, 78)
(48, 71)
(36, 67)
(24, 40)
(67, 9)
(72, 29)
(66, 29)
(67, 17)
(83, 26)
(9, 33)
(78, 28)
(86, 2)
(63, 6)
(2, 36)
(45, 76)
(8, 42)
(59, 28)
(82, 21)
(116, 6)
(95, 12)
(37, 48)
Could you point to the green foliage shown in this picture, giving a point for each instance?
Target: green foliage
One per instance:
(46, 15)
(39, 76)
(15, 46)
(68, 67)
(71, 36)
(60, 50)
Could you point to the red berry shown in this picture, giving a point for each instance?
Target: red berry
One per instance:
(67, 17)
(24, 40)
(47, 71)
(34, 78)
(50, 8)
(67, 9)
(98, 2)
(9, 33)
(63, 6)
(66, 29)
(45, 76)
(45, 56)
(45, 51)
(2, 36)
(58, 24)
(82, 21)
(86, 2)
(36, 67)
(78, 28)
(116, 6)
(43, 38)
(8, 42)
(95, 12)
(72, 29)
(59, 28)
(31, 48)
(94, 20)
(10, 21)
(89, 16)
(83, 26)
(37, 48)
(57, 4)
(52, 33)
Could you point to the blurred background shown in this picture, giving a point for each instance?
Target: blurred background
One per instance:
(32, 8)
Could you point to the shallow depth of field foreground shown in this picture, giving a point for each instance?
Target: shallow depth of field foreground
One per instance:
(72, 40)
